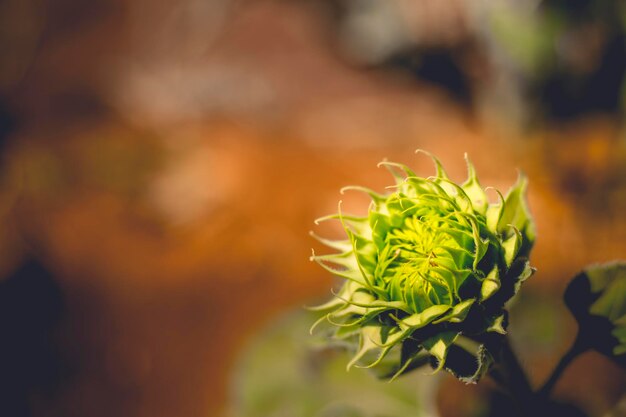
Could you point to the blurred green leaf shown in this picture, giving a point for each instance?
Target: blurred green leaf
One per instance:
(285, 373)
(597, 298)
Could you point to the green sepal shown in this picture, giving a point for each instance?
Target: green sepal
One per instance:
(498, 325)
(473, 189)
(419, 320)
(619, 332)
(468, 360)
(340, 245)
(348, 274)
(399, 171)
(490, 285)
(380, 227)
(515, 213)
(437, 346)
(511, 246)
(439, 169)
(526, 273)
(458, 313)
(401, 359)
(494, 213)
(345, 260)
(366, 343)
(376, 197)
(345, 293)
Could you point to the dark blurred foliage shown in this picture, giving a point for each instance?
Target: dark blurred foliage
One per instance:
(7, 124)
(596, 30)
(566, 95)
(501, 405)
(583, 59)
(31, 365)
(437, 66)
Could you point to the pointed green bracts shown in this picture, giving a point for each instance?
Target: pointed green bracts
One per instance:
(427, 272)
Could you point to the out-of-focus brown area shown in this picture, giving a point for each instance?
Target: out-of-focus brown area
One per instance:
(163, 163)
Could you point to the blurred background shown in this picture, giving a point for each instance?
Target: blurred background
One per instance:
(163, 162)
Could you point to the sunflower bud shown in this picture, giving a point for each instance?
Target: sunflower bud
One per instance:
(427, 273)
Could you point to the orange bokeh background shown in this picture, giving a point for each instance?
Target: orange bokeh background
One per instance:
(165, 162)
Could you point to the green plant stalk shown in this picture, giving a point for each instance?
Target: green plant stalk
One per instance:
(577, 348)
(507, 372)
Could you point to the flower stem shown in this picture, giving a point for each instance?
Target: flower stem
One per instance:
(576, 349)
(508, 373)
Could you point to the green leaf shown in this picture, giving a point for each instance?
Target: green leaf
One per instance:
(279, 372)
(597, 298)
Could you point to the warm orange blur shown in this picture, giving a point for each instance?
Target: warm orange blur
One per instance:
(165, 162)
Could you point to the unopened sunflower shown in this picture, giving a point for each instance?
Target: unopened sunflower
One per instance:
(427, 273)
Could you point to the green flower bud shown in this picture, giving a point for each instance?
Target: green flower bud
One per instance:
(427, 273)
